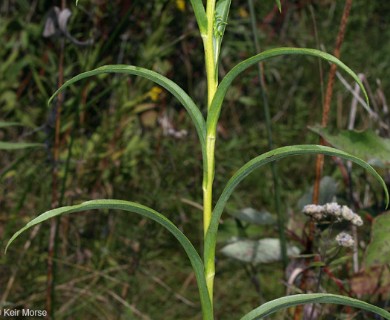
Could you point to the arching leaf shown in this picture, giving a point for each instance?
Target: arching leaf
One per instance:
(159, 79)
(294, 300)
(260, 161)
(192, 254)
(216, 104)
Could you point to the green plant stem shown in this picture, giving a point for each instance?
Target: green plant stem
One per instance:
(208, 178)
(274, 169)
(212, 77)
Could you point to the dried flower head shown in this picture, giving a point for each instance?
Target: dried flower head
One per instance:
(332, 211)
(345, 239)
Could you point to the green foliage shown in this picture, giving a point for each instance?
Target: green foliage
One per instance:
(212, 23)
(364, 144)
(378, 251)
(289, 301)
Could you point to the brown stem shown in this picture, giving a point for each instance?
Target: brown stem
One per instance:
(54, 193)
(329, 94)
(320, 158)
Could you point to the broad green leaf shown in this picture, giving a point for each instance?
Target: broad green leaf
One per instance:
(221, 16)
(328, 190)
(363, 144)
(298, 299)
(261, 251)
(216, 104)
(274, 155)
(254, 216)
(110, 204)
(19, 145)
(159, 79)
(4, 124)
(200, 15)
(378, 251)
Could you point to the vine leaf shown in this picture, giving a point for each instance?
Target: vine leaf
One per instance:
(192, 254)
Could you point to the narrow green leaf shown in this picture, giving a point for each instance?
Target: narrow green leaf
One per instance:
(298, 299)
(260, 161)
(4, 124)
(110, 204)
(19, 145)
(200, 15)
(216, 104)
(279, 5)
(159, 79)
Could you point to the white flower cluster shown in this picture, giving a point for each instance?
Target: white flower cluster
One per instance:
(332, 211)
(345, 239)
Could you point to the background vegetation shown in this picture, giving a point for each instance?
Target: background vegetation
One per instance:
(121, 137)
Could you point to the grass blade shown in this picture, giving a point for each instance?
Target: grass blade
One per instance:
(19, 145)
(216, 104)
(4, 124)
(260, 161)
(192, 254)
(294, 300)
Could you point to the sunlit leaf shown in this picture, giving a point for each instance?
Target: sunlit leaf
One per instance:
(110, 204)
(378, 251)
(298, 299)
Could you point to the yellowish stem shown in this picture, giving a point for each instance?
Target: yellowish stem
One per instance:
(212, 84)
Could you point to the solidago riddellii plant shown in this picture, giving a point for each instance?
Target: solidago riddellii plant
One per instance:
(212, 21)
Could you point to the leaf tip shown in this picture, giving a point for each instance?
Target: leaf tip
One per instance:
(279, 5)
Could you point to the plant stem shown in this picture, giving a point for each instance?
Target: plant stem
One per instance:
(208, 43)
(212, 84)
